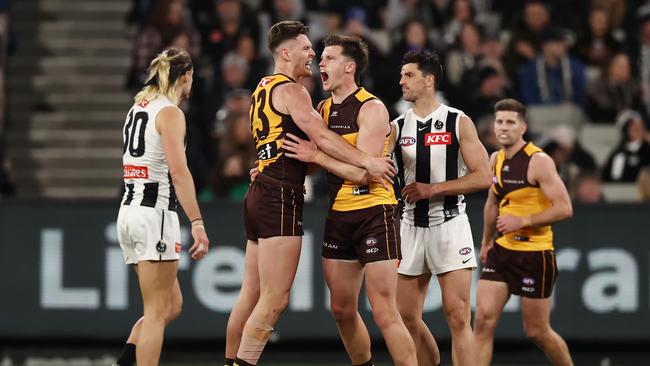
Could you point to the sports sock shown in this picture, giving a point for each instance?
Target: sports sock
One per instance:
(367, 363)
(128, 355)
(239, 362)
(229, 362)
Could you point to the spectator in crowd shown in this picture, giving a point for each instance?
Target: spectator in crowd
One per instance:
(587, 188)
(554, 77)
(140, 12)
(6, 187)
(485, 130)
(525, 43)
(237, 156)
(461, 13)
(258, 66)
(597, 46)
(643, 185)
(233, 75)
(280, 10)
(165, 28)
(491, 83)
(461, 63)
(570, 158)
(231, 20)
(613, 92)
(641, 62)
(632, 152)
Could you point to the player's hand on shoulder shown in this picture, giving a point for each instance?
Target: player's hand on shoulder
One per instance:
(199, 249)
(417, 191)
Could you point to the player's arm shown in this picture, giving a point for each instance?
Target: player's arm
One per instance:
(490, 214)
(476, 159)
(541, 171)
(308, 152)
(392, 138)
(298, 105)
(170, 124)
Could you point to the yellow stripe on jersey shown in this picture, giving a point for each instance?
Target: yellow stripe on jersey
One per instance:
(267, 123)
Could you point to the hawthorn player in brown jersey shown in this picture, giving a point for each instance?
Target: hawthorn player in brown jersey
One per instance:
(526, 197)
(362, 228)
(273, 204)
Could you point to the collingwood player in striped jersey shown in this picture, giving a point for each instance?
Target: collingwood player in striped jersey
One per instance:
(155, 173)
(439, 158)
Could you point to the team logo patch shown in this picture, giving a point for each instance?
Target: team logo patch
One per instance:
(358, 191)
(437, 138)
(264, 81)
(406, 141)
(371, 242)
(134, 171)
(528, 281)
(465, 251)
(494, 179)
(438, 125)
(372, 250)
(178, 247)
(143, 104)
(161, 247)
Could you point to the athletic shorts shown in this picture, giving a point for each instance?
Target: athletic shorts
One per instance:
(148, 234)
(367, 235)
(273, 208)
(438, 249)
(529, 274)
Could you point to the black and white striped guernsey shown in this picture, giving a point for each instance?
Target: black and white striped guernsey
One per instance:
(427, 151)
(147, 181)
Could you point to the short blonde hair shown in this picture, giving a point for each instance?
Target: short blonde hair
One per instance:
(164, 73)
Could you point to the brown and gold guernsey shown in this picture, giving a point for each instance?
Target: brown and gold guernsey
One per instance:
(342, 119)
(269, 126)
(516, 196)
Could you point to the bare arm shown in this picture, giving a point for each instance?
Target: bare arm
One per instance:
(298, 104)
(308, 152)
(170, 123)
(476, 159)
(490, 214)
(541, 171)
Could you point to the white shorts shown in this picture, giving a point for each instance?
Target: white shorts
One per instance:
(148, 234)
(438, 249)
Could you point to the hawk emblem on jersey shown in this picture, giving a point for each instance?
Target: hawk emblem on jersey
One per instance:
(334, 114)
(506, 168)
(264, 82)
(438, 125)
(406, 141)
(437, 138)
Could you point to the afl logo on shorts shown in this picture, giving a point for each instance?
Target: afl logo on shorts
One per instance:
(465, 251)
(161, 247)
(406, 141)
(371, 242)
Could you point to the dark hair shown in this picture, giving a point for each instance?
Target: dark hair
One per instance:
(353, 47)
(428, 62)
(511, 105)
(283, 31)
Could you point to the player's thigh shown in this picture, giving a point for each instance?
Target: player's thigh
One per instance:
(455, 287)
(411, 293)
(277, 263)
(344, 279)
(536, 313)
(157, 281)
(491, 297)
(381, 280)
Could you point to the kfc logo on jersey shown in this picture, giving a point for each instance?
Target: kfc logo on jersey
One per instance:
(437, 138)
(264, 82)
(134, 172)
(407, 141)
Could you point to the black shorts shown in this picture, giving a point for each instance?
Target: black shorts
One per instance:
(528, 274)
(367, 235)
(273, 208)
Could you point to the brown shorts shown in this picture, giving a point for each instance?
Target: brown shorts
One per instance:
(273, 208)
(367, 235)
(529, 274)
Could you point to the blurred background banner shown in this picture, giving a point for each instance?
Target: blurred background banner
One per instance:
(63, 276)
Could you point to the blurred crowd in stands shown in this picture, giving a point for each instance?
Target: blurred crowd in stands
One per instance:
(573, 62)
(6, 188)
(576, 64)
